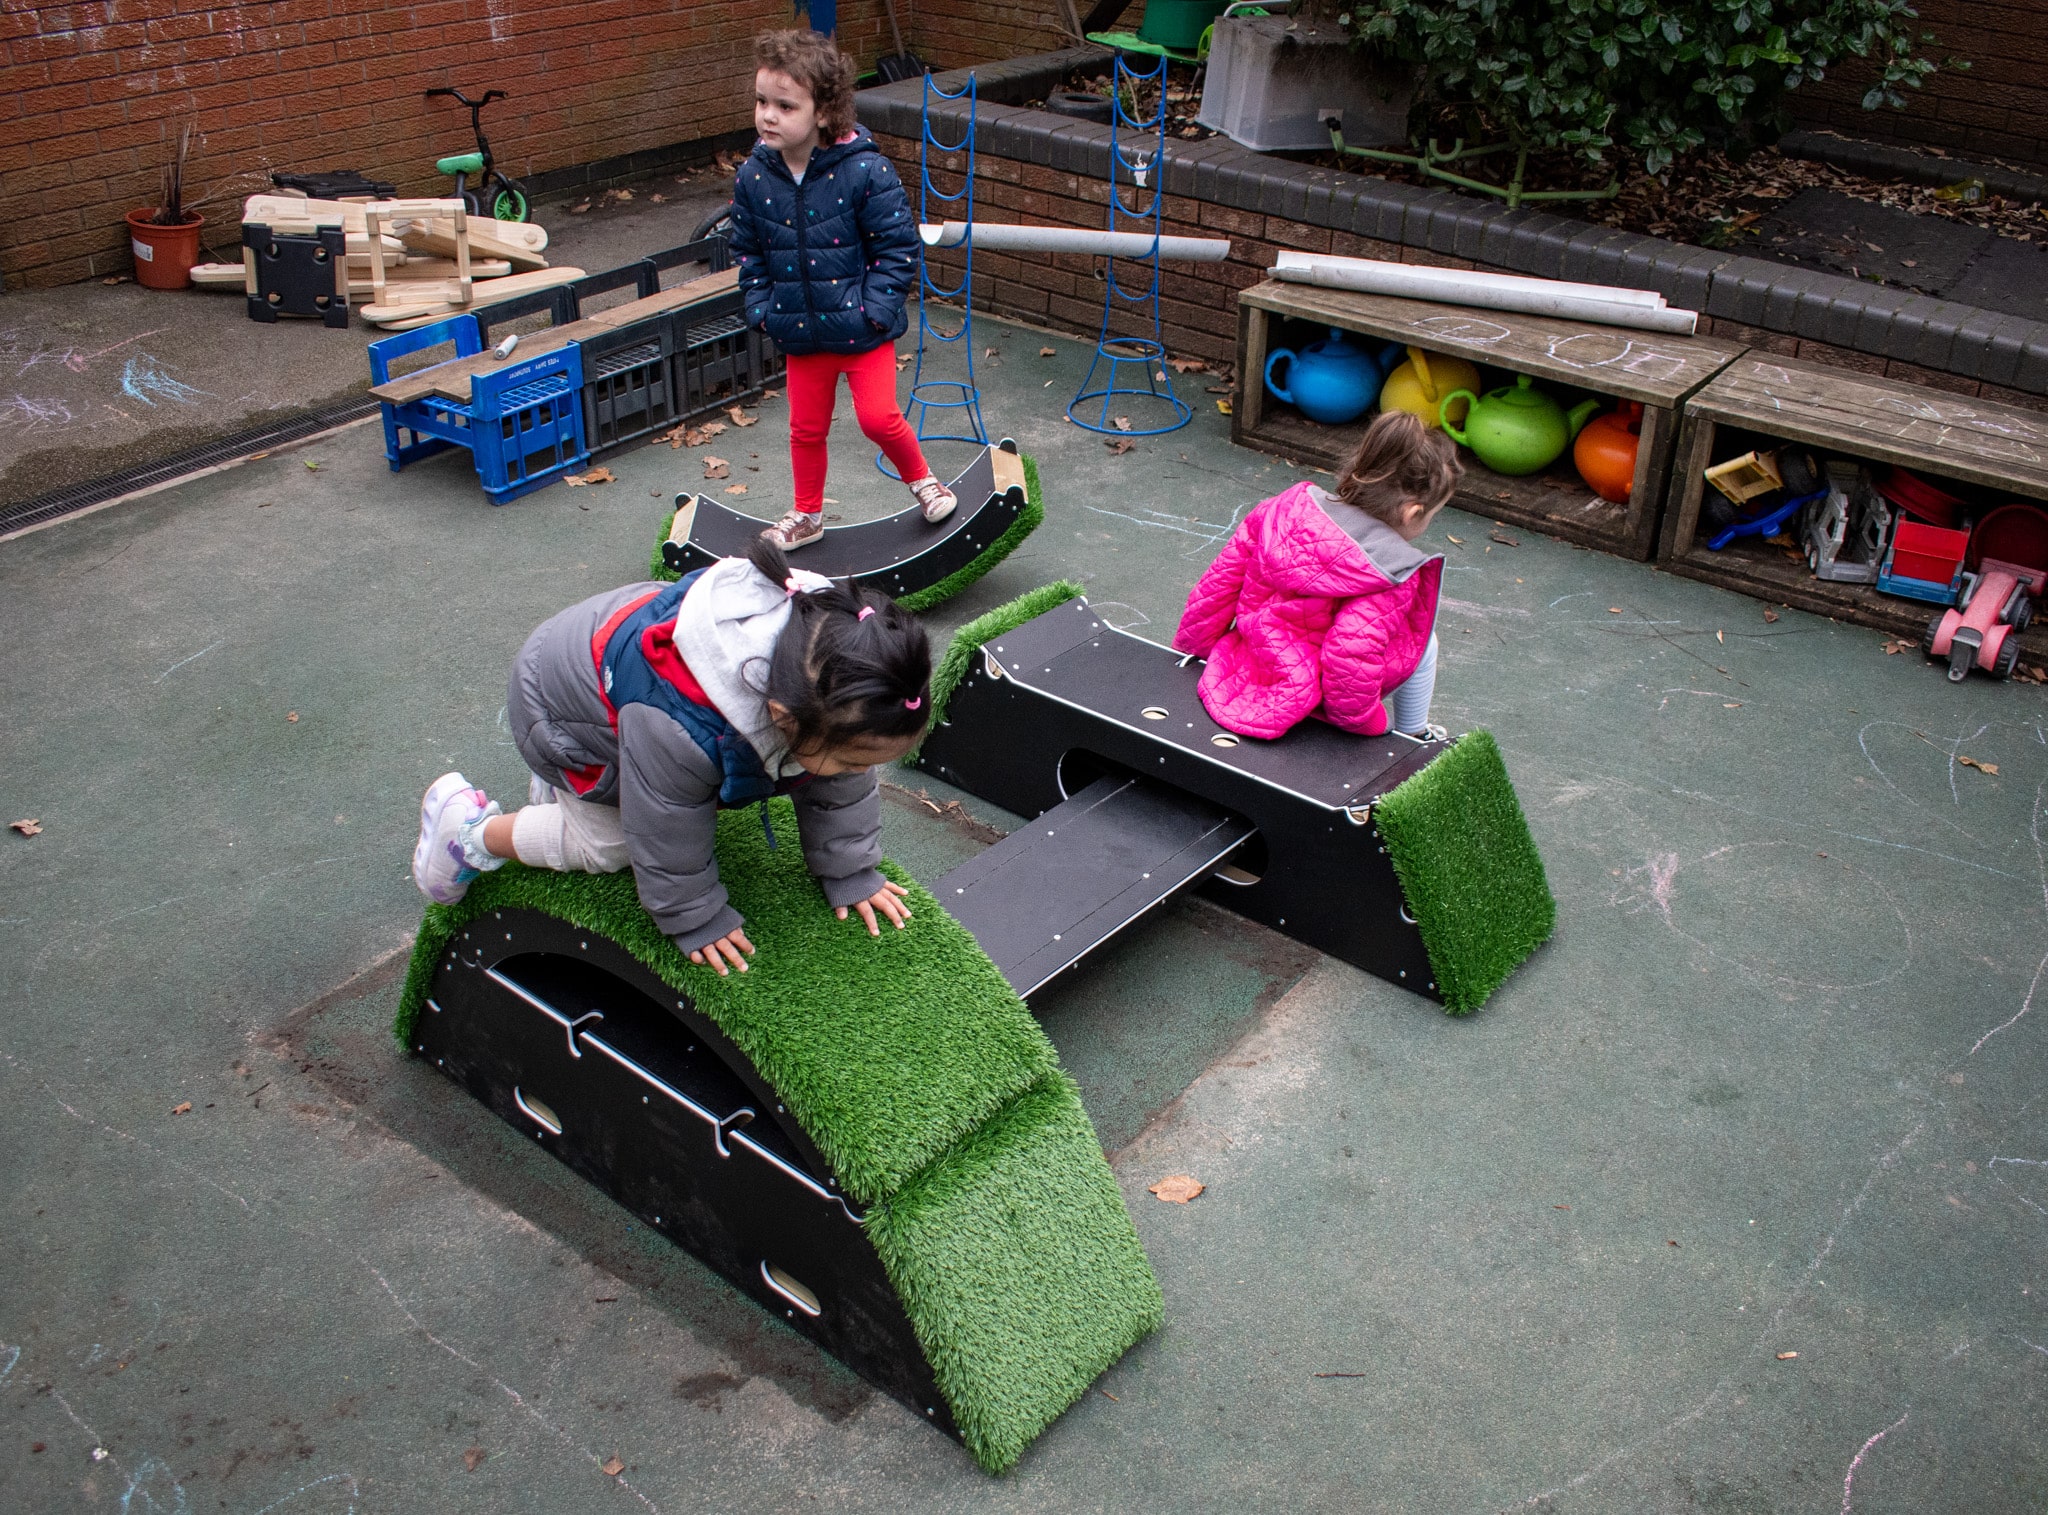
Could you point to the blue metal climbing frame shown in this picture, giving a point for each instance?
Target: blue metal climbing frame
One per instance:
(943, 396)
(1143, 168)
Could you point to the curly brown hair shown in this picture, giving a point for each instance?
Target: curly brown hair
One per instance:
(820, 67)
(1397, 460)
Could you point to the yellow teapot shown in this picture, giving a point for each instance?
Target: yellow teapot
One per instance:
(1419, 385)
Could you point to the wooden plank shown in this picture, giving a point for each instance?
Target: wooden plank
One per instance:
(490, 292)
(1977, 441)
(687, 293)
(1654, 368)
(439, 238)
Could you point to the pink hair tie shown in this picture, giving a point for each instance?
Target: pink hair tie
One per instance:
(913, 704)
(865, 612)
(790, 586)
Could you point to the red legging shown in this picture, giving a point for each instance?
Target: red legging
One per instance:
(813, 382)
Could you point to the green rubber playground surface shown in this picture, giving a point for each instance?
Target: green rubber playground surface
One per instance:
(1772, 1086)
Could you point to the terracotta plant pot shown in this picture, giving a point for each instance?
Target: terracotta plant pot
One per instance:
(164, 255)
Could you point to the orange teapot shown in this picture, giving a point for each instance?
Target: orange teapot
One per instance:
(1605, 453)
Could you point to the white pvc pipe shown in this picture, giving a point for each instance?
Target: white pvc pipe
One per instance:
(1462, 279)
(1541, 297)
(1003, 237)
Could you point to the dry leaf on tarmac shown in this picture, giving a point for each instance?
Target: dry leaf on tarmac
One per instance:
(1721, 637)
(1787, 1356)
(1048, 352)
(28, 826)
(1614, 610)
(292, 716)
(771, 394)
(1894, 648)
(183, 1108)
(1123, 423)
(741, 418)
(475, 1455)
(1120, 446)
(1970, 762)
(613, 1466)
(716, 468)
(595, 476)
(1449, 538)
(1503, 538)
(735, 489)
(1187, 365)
(1177, 1188)
(1223, 407)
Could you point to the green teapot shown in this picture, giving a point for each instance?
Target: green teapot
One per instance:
(1517, 428)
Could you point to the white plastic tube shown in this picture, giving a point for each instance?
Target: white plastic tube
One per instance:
(993, 236)
(1450, 286)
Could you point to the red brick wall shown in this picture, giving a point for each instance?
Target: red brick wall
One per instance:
(1198, 301)
(957, 33)
(1997, 108)
(92, 92)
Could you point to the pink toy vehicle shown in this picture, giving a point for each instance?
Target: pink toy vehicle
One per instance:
(1997, 600)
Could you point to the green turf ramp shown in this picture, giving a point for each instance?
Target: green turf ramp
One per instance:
(920, 600)
(1020, 1268)
(1461, 847)
(986, 627)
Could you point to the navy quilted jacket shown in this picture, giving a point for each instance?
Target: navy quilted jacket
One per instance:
(825, 264)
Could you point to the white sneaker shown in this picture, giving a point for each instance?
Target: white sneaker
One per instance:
(934, 498)
(438, 866)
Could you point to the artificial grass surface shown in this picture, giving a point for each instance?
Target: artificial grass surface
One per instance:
(1461, 847)
(939, 1102)
(920, 600)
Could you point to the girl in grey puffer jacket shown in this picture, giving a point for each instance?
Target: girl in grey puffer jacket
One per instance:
(645, 710)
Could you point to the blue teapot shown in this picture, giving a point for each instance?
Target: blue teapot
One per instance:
(1331, 381)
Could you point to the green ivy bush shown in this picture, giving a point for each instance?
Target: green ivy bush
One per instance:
(1662, 79)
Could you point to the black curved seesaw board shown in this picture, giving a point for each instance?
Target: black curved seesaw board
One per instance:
(897, 554)
(566, 1035)
(1138, 794)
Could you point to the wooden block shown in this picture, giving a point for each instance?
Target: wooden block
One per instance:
(219, 275)
(489, 292)
(438, 237)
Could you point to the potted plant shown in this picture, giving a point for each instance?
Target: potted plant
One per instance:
(165, 237)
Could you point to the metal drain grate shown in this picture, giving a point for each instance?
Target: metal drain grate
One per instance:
(76, 497)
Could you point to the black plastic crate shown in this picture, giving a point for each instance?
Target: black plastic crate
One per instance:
(718, 360)
(629, 384)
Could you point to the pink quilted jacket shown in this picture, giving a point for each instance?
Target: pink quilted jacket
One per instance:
(1296, 619)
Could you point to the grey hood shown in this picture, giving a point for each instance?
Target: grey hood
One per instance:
(726, 630)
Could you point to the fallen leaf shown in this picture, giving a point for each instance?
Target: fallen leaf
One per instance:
(1449, 538)
(1560, 1207)
(1107, 1395)
(1893, 648)
(614, 1466)
(741, 418)
(1873, 247)
(1187, 365)
(1910, 262)
(735, 489)
(771, 394)
(623, 194)
(29, 826)
(990, 353)
(1120, 446)
(312, 467)
(1614, 610)
(577, 210)
(1669, 1243)
(1177, 1188)
(1970, 762)
(1721, 637)
(1786, 1356)
(182, 1108)
(1223, 407)
(475, 1455)
(1123, 423)
(257, 456)
(658, 199)
(117, 279)
(1504, 539)
(1731, 704)
(292, 716)
(1048, 352)
(594, 476)
(716, 468)
(1770, 615)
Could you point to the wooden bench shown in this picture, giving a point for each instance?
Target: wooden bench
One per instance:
(451, 380)
(1994, 452)
(1656, 370)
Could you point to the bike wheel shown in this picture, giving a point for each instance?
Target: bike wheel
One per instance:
(717, 224)
(509, 203)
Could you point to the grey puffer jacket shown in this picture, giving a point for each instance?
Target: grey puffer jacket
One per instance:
(665, 785)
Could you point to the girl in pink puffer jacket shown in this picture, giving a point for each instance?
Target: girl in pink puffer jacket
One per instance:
(1321, 604)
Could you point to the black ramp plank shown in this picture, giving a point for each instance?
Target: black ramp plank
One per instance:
(1054, 890)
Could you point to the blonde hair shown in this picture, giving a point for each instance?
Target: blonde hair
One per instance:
(820, 67)
(1397, 460)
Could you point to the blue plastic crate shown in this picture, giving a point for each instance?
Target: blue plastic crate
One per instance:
(412, 432)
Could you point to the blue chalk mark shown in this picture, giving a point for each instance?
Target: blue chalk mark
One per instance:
(147, 1474)
(144, 379)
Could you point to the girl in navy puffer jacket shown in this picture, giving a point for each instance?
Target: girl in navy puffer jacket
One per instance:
(827, 249)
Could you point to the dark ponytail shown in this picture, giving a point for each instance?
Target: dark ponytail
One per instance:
(844, 676)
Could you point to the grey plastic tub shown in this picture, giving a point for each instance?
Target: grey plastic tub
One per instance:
(1272, 81)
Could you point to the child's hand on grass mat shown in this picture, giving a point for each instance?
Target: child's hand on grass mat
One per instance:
(727, 949)
(885, 899)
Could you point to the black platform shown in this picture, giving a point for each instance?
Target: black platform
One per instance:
(898, 554)
(1118, 849)
(1065, 700)
(569, 1038)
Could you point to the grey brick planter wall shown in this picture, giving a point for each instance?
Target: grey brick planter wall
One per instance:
(1798, 312)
